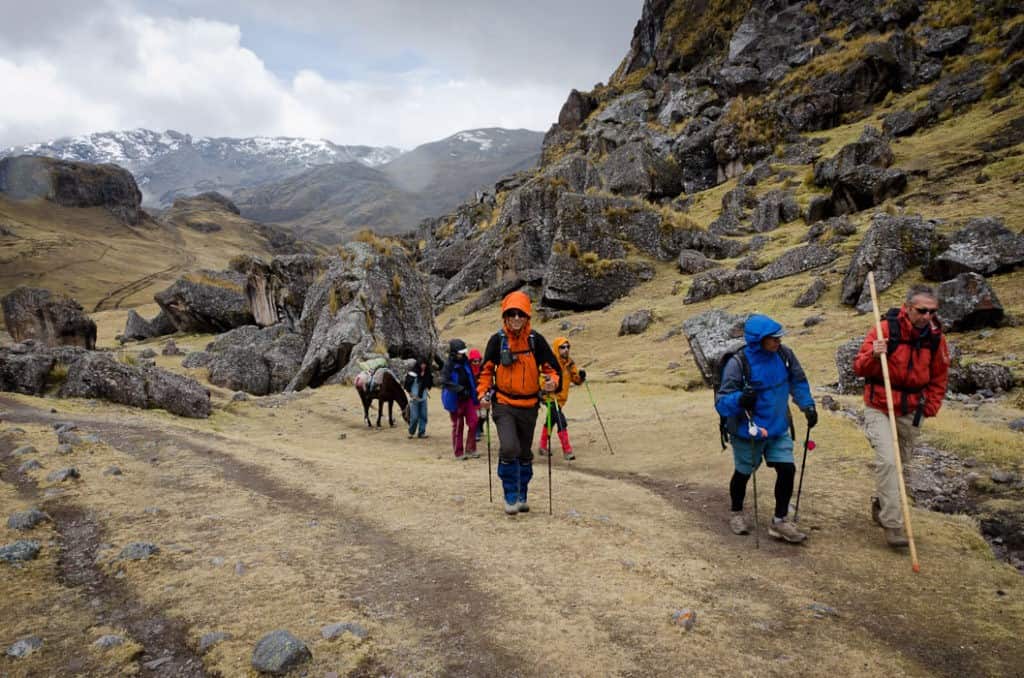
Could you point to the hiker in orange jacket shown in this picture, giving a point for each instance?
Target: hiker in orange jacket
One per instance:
(570, 375)
(515, 359)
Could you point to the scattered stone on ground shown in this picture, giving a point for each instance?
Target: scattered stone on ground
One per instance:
(25, 647)
(138, 550)
(821, 611)
(112, 471)
(26, 520)
(63, 474)
(157, 663)
(210, 639)
(108, 641)
(278, 652)
(19, 551)
(30, 465)
(64, 449)
(24, 449)
(332, 631)
(68, 437)
(636, 322)
(1003, 477)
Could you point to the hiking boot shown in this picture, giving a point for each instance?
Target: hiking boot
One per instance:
(511, 509)
(738, 523)
(784, 529)
(523, 507)
(422, 435)
(569, 456)
(473, 455)
(876, 510)
(896, 537)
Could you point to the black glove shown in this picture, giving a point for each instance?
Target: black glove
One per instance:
(812, 417)
(748, 399)
(583, 376)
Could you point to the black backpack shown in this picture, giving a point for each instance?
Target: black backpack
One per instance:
(716, 383)
(895, 338)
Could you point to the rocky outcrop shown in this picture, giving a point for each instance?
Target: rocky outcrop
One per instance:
(849, 382)
(50, 319)
(859, 175)
(967, 302)
(276, 290)
(975, 377)
(984, 246)
(100, 375)
(636, 169)
(72, 184)
(581, 284)
(713, 283)
(207, 301)
(636, 322)
(810, 296)
(692, 261)
(254, 360)
(137, 328)
(892, 245)
(711, 335)
(798, 260)
(369, 300)
(24, 371)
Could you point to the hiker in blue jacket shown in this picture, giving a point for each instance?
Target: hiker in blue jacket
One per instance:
(756, 402)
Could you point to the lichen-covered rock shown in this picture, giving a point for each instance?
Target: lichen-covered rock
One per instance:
(713, 283)
(980, 377)
(984, 246)
(177, 394)
(891, 246)
(692, 261)
(968, 302)
(139, 550)
(26, 520)
(636, 322)
(810, 296)
(798, 260)
(24, 373)
(49, 319)
(711, 335)
(635, 169)
(20, 551)
(207, 301)
(576, 284)
(276, 290)
(279, 652)
(849, 382)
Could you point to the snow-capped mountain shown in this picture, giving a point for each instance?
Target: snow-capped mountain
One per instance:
(170, 164)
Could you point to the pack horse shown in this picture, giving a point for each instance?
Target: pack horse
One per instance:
(383, 386)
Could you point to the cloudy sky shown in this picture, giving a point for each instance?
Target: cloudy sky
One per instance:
(378, 72)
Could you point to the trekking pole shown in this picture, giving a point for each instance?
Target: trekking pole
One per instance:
(490, 481)
(753, 473)
(610, 450)
(550, 500)
(892, 428)
(800, 487)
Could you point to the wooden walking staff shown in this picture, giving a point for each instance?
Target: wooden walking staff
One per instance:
(892, 427)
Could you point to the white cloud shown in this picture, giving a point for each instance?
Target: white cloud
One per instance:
(118, 67)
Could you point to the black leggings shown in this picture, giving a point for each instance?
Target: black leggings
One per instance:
(785, 473)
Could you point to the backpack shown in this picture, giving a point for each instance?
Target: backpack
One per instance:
(507, 356)
(718, 372)
(458, 374)
(896, 335)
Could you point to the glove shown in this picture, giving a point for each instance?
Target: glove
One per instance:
(748, 399)
(458, 389)
(583, 375)
(812, 416)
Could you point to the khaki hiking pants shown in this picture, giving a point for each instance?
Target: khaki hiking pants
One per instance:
(876, 426)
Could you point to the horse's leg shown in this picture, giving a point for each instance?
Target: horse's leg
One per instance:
(391, 413)
(380, 411)
(366, 409)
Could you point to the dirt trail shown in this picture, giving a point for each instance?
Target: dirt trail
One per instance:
(430, 589)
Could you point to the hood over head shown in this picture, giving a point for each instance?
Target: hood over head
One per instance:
(518, 300)
(758, 327)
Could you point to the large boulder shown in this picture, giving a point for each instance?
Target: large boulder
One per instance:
(716, 282)
(276, 290)
(254, 360)
(49, 319)
(370, 300)
(967, 302)
(980, 377)
(983, 246)
(24, 372)
(849, 382)
(207, 301)
(636, 169)
(692, 261)
(870, 149)
(100, 375)
(137, 328)
(892, 245)
(859, 174)
(581, 283)
(798, 260)
(72, 184)
(711, 335)
(636, 322)
(810, 296)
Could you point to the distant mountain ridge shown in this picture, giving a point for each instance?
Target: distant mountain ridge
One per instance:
(171, 164)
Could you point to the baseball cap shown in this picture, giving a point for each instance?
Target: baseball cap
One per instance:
(778, 335)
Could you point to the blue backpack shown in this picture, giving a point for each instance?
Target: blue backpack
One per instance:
(449, 398)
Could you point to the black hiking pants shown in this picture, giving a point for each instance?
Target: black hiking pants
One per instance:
(515, 427)
(785, 473)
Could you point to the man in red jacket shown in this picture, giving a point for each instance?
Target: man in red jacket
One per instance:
(918, 370)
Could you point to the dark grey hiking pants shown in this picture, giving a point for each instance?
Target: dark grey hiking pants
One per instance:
(515, 432)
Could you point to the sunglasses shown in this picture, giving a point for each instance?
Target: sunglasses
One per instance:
(515, 314)
(563, 347)
(926, 311)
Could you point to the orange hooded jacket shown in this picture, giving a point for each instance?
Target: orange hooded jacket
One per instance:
(570, 373)
(516, 384)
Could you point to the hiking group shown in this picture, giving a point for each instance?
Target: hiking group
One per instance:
(519, 372)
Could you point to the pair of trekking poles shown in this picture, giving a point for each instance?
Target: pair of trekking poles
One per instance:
(550, 405)
(756, 458)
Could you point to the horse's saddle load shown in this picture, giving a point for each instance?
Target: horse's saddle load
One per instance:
(372, 376)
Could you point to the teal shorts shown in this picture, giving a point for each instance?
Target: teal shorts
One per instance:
(778, 449)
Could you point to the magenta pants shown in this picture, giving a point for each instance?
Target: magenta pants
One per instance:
(464, 421)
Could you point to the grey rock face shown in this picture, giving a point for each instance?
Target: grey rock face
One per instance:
(26, 520)
(891, 246)
(968, 302)
(108, 641)
(29, 465)
(276, 290)
(983, 246)
(810, 296)
(207, 301)
(179, 395)
(50, 319)
(831, 231)
(977, 377)
(858, 174)
(635, 169)
(849, 382)
(23, 450)
(711, 335)
(170, 348)
(947, 41)
(60, 475)
(25, 647)
(636, 322)
(24, 372)
(713, 283)
(137, 328)
(196, 359)
(366, 299)
(279, 652)
(332, 631)
(138, 551)
(19, 552)
(571, 283)
(798, 260)
(692, 261)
